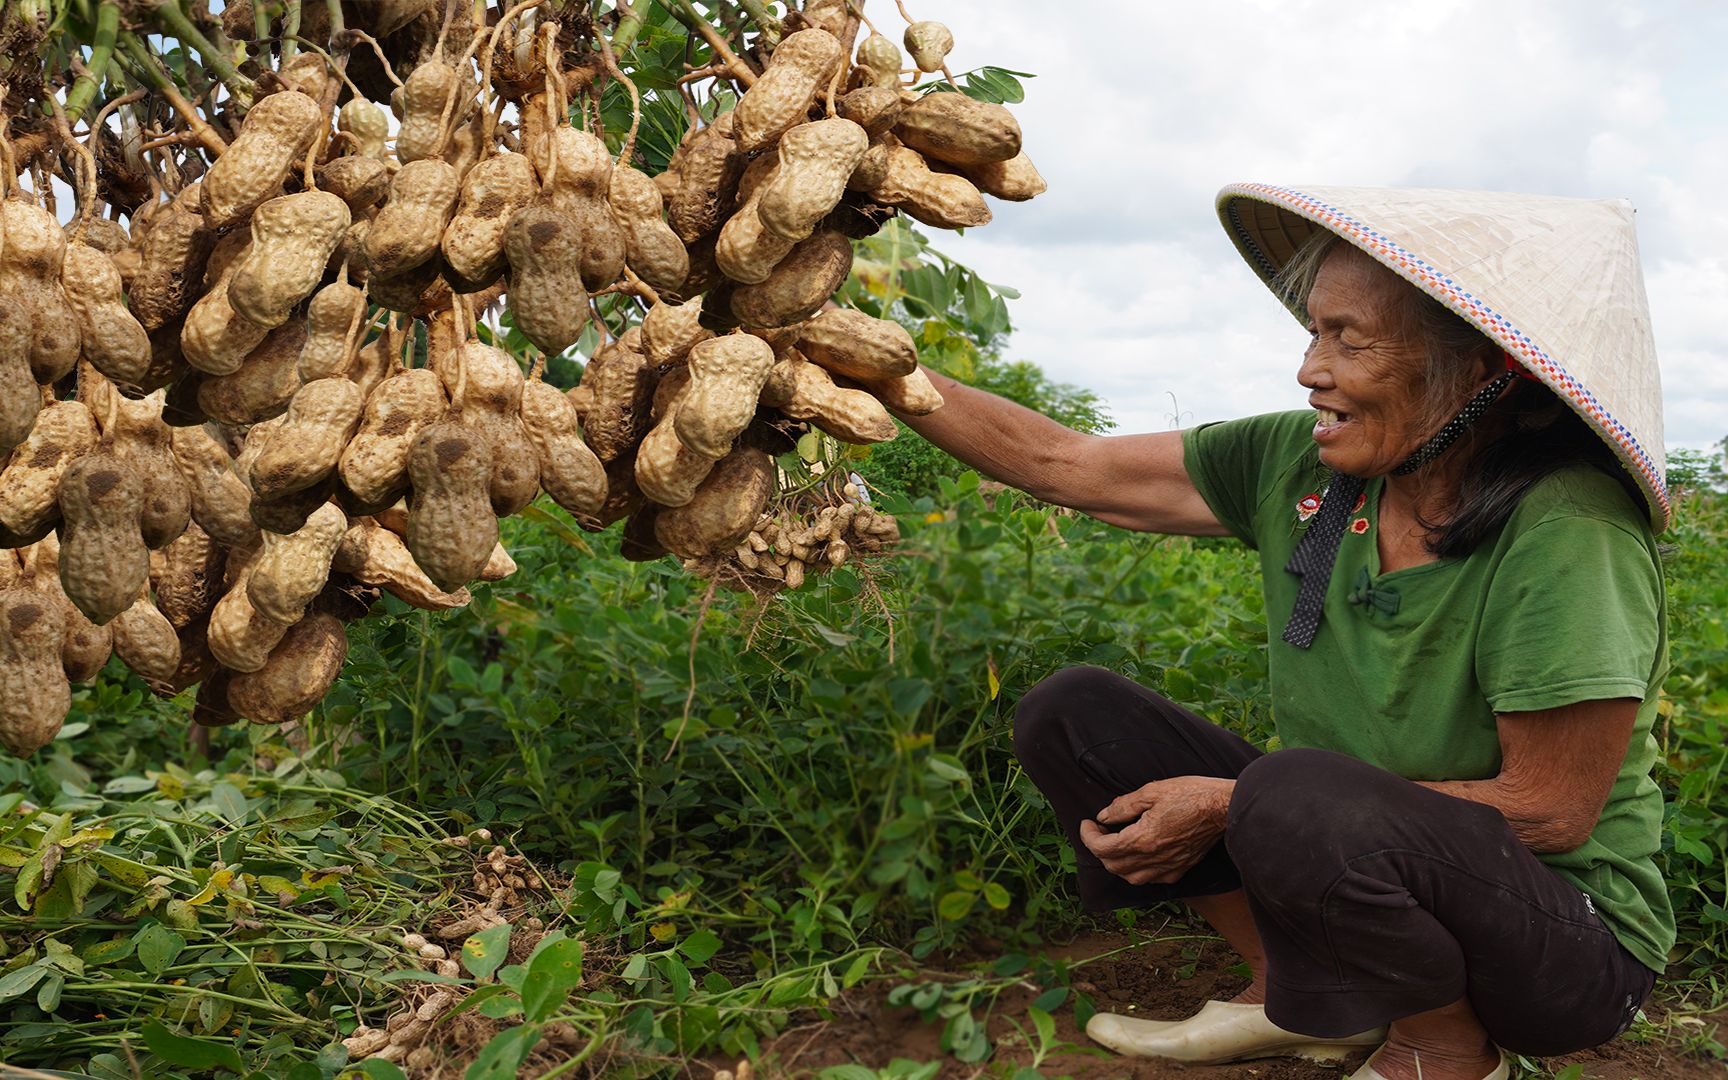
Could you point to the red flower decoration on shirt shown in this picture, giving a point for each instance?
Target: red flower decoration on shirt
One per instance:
(1361, 501)
(1359, 526)
(1307, 506)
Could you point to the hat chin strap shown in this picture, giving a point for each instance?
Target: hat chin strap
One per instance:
(1446, 436)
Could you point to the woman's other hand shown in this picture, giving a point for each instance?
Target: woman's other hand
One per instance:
(1171, 825)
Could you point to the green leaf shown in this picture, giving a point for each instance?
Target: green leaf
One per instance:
(379, 1069)
(213, 1014)
(230, 803)
(478, 998)
(1181, 685)
(948, 768)
(503, 1056)
(110, 951)
(700, 947)
(1084, 1010)
(856, 970)
(677, 975)
(158, 948)
(462, 673)
(191, 1053)
(552, 973)
(996, 896)
(416, 975)
(48, 994)
(1044, 1024)
(956, 904)
(484, 951)
(19, 982)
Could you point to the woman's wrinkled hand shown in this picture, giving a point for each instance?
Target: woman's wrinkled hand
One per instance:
(1172, 824)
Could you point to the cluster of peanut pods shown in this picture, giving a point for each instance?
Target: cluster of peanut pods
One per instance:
(228, 422)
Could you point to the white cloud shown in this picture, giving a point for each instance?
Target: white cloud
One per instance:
(1141, 111)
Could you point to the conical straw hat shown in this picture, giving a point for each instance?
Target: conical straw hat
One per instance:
(1555, 282)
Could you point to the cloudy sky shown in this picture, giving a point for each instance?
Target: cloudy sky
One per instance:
(1142, 110)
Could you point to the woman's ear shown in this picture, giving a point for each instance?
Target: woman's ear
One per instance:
(1490, 360)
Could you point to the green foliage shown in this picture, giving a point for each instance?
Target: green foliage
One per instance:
(1693, 731)
(750, 802)
(226, 917)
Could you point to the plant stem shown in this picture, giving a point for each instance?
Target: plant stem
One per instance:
(101, 54)
(686, 13)
(630, 22)
(765, 22)
(171, 19)
(149, 71)
(290, 29)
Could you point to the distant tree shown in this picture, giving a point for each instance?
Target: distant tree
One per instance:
(1698, 470)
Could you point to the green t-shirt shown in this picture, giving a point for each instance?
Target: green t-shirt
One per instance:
(1407, 672)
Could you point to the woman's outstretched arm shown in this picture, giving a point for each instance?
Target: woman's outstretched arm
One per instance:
(1135, 481)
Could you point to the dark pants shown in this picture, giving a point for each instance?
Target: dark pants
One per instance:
(1375, 898)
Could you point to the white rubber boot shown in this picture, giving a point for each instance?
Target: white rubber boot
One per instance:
(1221, 1031)
(1369, 1072)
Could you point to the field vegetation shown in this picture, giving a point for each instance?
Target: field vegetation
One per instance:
(611, 820)
(718, 817)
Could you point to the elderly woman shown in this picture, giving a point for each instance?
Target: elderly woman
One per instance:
(1452, 851)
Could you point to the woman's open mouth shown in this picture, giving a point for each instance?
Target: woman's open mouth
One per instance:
(1328, 423)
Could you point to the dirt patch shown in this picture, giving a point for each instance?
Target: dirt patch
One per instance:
(1624, 1059)
(1128, 973)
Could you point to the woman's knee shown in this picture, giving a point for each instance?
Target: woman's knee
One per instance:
(1043, 716)
(1300, 800)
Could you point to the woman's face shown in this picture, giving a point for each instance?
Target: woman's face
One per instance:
(1365, 373)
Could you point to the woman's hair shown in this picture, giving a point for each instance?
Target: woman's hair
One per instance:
(1528, 433)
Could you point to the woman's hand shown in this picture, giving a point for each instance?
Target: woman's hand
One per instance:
(1178, 822)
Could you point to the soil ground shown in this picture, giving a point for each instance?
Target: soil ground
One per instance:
(1126, 972)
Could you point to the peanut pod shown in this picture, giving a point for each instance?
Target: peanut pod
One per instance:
(569, 470)
(406, 231)
(652, 249)
(374, 466)
(726, 377)
(546, 297)
(451, 528)
(780, 98)
(855, 345)
(273, 138)
(145, 640)
(815, 161)
(30, 482)
(959, 129)
(113, 340)
(34, 694)
(492, 192)
(723, 508)
(104, 564)
(334, 321)
(306, 448)
(292, 238)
